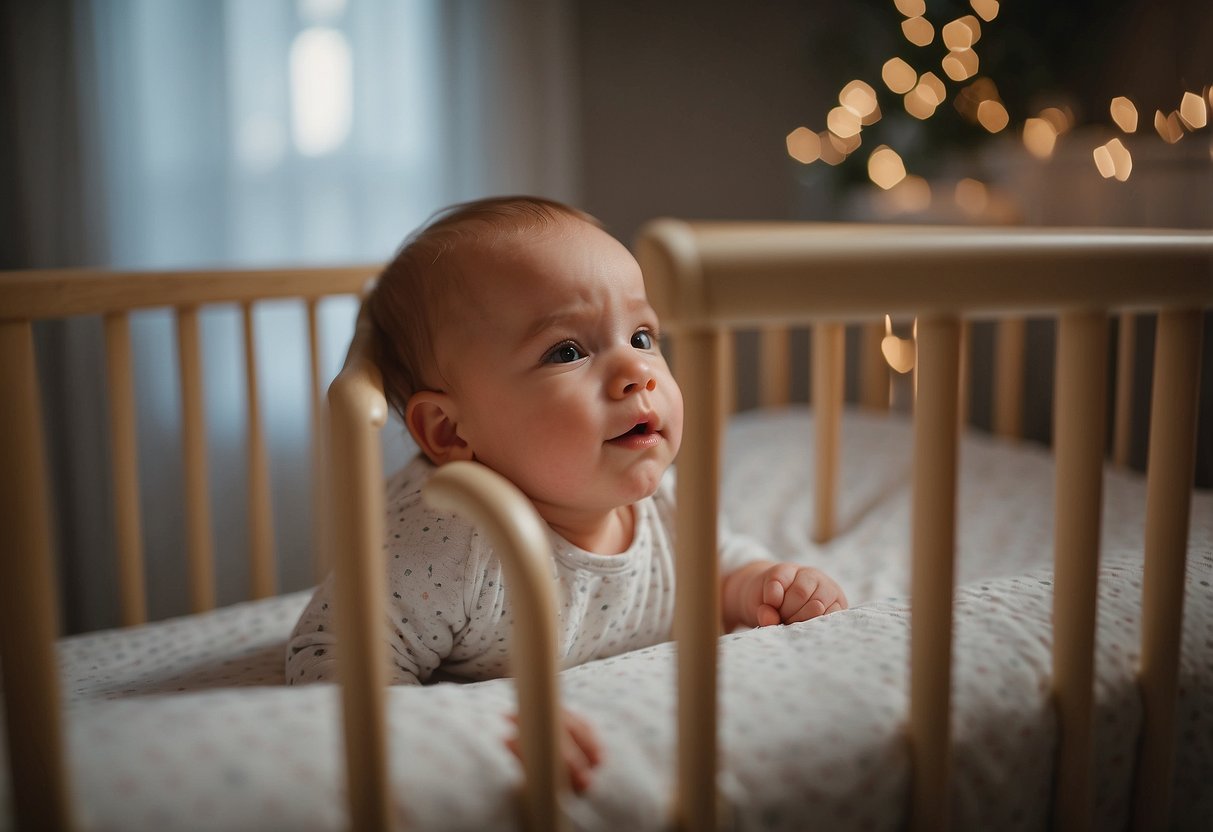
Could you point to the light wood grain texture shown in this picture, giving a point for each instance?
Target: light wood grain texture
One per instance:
(28, 606)
(774, 366)
(125, 464)
(873, 369)
(262, 567)
(1173, 412)
(357, 412)
(933, 550)
(519, 538)
(1009, 345)
(1079, 408)
(200, 542)
(829, 357)
(321, 562)
(697, 591)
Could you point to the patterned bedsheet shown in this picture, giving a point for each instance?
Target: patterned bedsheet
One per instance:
(185, 724)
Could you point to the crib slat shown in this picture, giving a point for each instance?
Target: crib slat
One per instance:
(1010, 340)
(200, 545)
(1080, 402)
(357, 410)
(1173, 413)
(123, 448)
(261, 524)
(697, 591)
(774, 358)
(28, 603)
(962, 400)
(829, 358)
(874, 370)
(320, 479)
(726, 385)
(933, 540)
(1126, 341)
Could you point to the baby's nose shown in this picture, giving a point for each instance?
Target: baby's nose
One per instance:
(632, 379)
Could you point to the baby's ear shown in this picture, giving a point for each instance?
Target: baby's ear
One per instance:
(432, 421)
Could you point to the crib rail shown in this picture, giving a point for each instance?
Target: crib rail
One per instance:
(28, 606)
(706, 277)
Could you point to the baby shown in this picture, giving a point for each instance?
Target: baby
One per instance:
(515, 332)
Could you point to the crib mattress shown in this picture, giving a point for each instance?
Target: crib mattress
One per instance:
(185, 724)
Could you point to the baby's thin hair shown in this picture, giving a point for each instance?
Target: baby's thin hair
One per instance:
(412, 290)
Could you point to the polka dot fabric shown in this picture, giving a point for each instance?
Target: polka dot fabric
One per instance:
(187, 724)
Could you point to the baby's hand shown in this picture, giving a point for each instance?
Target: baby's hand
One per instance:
(578, 746)
(775, 593)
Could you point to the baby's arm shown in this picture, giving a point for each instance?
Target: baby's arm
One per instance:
(762, 593)
(579, 747)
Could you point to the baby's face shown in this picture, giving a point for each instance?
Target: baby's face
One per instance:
(556, 374)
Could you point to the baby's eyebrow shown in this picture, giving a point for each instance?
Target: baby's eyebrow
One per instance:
(560, 319)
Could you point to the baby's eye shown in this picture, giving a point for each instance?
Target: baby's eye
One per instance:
(566, 353)
(643, 340)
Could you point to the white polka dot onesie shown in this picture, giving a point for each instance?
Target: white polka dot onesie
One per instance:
(449, 610)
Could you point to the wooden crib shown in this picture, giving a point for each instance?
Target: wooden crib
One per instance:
(703, 279)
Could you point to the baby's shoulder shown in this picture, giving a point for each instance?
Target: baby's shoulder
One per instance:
(417, 533)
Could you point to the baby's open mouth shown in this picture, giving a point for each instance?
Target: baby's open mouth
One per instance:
(639, 429)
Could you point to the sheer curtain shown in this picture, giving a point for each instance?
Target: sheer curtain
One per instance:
(279, 132)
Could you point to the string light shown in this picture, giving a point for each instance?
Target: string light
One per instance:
(978, 102)
(1124, 113)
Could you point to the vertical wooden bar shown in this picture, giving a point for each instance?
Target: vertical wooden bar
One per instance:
(123, 448)
(1080, 412)
(697, 592)
(28, 604)
(774, 360)
(962, 396)
(726, 384)
(262, 577)
(1173, 412)
(1008, 377)
(829, 359)
(873, 369)
(200, 544)
(933, 540)
(357, 411)
(1122, 426)
(320, 475)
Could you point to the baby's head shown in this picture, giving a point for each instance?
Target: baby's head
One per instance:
(516, 332)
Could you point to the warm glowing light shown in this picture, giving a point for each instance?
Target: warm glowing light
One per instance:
(846, 146)
(920, 102)
(872, 117)
(859, 98)
(961, 66)
(912, 195)
(898, 76)
(1122, 162)
(1192, 111)
(843, 123)
(830, 154)
(804, 146)
(1062, 120)
(972, 196)
(918, 31)
(933, 89)
(911, 8)
(962, 33)
(987, 10)
(1124, 113)
(968, 99)
(885, 167)
(1168, 127)
(1039, 137)
(899, 353)
(992, 115)
(322, 90)
(1104, 163)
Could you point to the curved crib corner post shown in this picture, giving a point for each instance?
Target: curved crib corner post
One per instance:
(357, 411)
(506, 516)
(28, 608)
